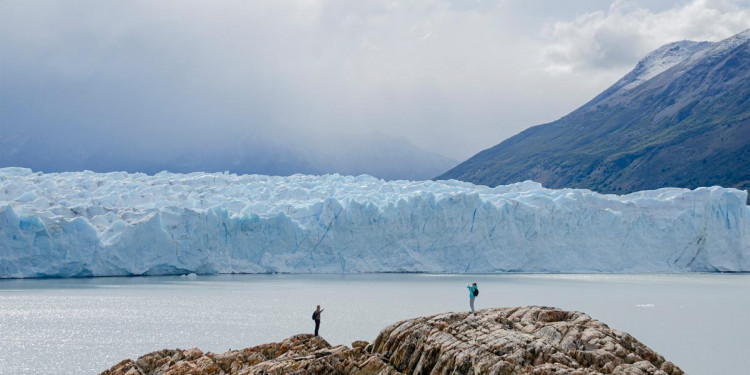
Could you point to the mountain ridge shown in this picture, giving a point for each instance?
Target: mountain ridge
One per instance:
(377, 154)
(687, 126)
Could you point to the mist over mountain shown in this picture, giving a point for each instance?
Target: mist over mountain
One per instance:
(259, 152)
(681, 118)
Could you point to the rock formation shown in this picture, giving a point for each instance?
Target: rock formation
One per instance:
(520, 340)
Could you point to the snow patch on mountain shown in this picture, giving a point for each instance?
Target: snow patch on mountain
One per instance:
(669, 55)
(90, 224)
(659, 61)
(719, 49)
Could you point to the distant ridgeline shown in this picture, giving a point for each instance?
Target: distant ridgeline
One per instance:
(92, 224)
(681, 118)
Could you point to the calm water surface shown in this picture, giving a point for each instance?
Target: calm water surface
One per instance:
(84, 326)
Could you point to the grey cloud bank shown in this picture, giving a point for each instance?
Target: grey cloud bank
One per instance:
(150, 85)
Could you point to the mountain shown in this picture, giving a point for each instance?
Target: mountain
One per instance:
(376, 154)
(281, 152)
(681, 118)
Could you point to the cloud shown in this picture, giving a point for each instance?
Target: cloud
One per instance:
(179, 76)
(175, 73)
(617, 37)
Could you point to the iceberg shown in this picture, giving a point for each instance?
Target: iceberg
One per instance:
(79, 224)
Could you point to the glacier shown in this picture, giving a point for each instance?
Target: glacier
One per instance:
(79, 224)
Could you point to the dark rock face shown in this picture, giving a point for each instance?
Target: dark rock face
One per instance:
(519, 340)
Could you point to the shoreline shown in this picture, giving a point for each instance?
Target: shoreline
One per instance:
(193, 274)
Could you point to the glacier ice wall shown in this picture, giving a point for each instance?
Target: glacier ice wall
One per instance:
(90, 224)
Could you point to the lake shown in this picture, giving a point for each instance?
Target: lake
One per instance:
(84, 326)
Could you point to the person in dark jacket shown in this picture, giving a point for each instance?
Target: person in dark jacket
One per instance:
(316, 318)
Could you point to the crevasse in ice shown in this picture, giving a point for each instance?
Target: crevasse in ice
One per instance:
(85, 223)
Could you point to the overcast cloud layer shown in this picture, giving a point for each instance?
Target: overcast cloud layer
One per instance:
(452, 77)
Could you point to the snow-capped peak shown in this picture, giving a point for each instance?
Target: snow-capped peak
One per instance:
(674, 53)
(659, 61)
(720, 48)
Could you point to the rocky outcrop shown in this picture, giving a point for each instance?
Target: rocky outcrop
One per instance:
(520, 340)
(301, 354)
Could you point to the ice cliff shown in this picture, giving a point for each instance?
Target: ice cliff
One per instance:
(85, 223)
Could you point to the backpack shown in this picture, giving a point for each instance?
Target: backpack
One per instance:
(314, 313)
(476, 292)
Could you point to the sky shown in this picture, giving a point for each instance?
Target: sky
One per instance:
(453, 77)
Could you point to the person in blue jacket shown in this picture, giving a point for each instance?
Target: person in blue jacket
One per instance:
(473, 292)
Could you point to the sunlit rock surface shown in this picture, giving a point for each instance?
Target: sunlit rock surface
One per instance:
(90, 224)
(519, 340)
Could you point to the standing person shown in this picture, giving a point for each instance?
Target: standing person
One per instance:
(473, 292)
(316, 318)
